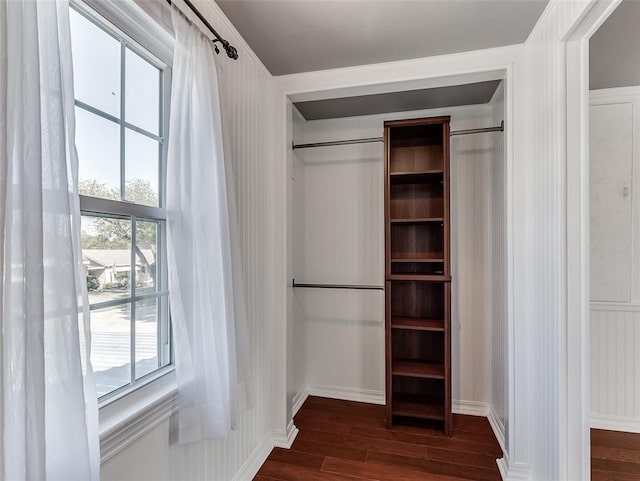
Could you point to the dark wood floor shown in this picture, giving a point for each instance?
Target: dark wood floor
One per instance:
(615, 456)
(343, 440)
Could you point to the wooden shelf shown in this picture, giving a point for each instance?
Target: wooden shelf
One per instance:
(427, 176)
(418, 293)
(419, 277)
(416, 256)
(416, 259)
(413, 368)
(418, 409)
(417, 324)
(420, 220)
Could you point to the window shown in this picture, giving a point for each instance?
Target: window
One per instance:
(121, 94)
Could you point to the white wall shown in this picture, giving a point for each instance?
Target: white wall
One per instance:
(615, 248)
(341, 192)
(246, 94)
(497, 270)
(296, 331)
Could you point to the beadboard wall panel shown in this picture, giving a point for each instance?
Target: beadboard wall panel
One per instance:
(615, 368)
(539, 433)
(247, 95)
(343, 243)
(497, 271)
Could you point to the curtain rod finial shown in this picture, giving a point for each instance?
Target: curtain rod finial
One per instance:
(231, 51)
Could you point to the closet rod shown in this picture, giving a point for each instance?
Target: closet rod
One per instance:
(230, 49)
(338, 286)
(295, 146)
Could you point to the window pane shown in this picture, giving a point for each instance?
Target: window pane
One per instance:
(142, 93)
(142, 160)
(106, 254)
(96, 65)
(146, 336)
(111, 347)
(98, 144)
(146, 255)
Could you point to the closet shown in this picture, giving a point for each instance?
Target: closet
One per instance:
(418, 270)
(397, 267)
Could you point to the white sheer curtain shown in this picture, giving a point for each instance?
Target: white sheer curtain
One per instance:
(49, 407)
(205, 275)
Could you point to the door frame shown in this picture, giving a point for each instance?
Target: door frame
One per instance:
(576, 408)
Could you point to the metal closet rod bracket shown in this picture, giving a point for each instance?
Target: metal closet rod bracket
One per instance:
(368, 140)
(338, 286)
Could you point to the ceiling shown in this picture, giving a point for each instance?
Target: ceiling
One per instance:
(292, 36)
(614, 50)
(468, 94)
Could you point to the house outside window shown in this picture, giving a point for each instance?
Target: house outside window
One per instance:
(122, 98)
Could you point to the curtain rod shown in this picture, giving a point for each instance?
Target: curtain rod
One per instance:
(295, 146)
(230, 49)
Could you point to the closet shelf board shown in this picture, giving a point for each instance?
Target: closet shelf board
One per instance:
(417, 220)
(417, 324)
(418, 409)
(413, 368)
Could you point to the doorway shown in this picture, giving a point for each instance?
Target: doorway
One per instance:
(602, 153)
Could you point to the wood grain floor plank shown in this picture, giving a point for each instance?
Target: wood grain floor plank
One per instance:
(305, 422)
(334, 450)
(615, 454)
(299, 458)
(615, 466)
(597, 475)
(435, 467)
(488, 448)
(469, 459)
(380, 472)
(290, 472)
(615, 439)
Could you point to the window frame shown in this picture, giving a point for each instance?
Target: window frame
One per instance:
(151, 52)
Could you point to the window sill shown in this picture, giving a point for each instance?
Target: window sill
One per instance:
(125, 419)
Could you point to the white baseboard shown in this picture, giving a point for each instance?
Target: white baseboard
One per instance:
(615, 423)
(513, 471)
(347, 394)
(298, 400)
(252, 465)
(285, 440)
(470, 408)
(497, 427)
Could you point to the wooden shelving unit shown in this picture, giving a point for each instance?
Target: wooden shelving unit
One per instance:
(418, 272)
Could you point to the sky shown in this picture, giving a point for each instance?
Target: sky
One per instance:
(97, 61)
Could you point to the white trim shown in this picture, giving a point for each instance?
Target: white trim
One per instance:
(347, 394)
(614, 95)
(497, 427)
(285, 439)
(615, 306)
(129, 422)
(254, 462)
(513, 471)
(575, 410)
(298, 400)
(615, 423)
(470, 408)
